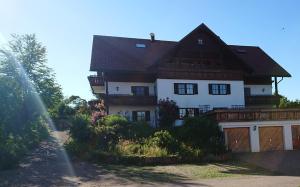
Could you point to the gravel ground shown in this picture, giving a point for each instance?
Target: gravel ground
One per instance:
(47, 166)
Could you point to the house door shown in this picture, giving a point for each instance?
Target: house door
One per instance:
(237, 139)
(271, 138)
(296, 136)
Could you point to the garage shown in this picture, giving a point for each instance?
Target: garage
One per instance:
(237, 139)
(271, 138)
(296, 137)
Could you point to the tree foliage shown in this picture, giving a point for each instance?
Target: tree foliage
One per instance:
(286, 103)
(24, 79)
(31, 55)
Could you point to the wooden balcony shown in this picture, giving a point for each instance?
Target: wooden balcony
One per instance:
(254, 115)
(96, 80)
(130, 100)
(262, 100)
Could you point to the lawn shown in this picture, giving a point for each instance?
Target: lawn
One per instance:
(173, 173)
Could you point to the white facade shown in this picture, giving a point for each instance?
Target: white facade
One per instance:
(124, 88)
(260, 89)
(165, 89)
(254, 131)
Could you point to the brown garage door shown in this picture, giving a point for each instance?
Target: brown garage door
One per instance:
(296, 136)
(271, 138)
(237, 139)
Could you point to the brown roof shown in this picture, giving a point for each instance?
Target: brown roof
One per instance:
(121, 54)
(117, 53)
(261, 63)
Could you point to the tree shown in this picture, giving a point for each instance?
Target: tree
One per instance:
(31, 55)
(168, 112)
(286, 103)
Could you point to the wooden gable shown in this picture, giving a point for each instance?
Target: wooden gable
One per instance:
(202, 51)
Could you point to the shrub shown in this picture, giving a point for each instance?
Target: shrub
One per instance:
(14, 146)
(168, 112)
(81, 128)
(139, 130)
(131, 148)
(109, 130)
(164, 139)
(202, 133)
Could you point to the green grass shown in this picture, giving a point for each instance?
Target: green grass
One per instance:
(177, 173)
(214, 170)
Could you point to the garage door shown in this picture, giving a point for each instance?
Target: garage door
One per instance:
(237, 139)
(296, 136)
(271, 138)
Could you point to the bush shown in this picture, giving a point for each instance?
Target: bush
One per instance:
(14, 146)
(109, 130)
(168, 112)
(202, 133)
(164, 139)
(139, 130)
(81, 128)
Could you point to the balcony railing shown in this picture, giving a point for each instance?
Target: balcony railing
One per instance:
(130, 100)
(262, 100)
(254, 115)
(96, 80)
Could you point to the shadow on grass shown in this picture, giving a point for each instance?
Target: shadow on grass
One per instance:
(243, 168)
(123, 174)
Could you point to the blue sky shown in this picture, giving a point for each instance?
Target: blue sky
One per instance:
(66, 27)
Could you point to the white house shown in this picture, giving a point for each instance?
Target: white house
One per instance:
(202, 74)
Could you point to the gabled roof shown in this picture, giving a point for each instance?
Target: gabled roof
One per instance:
(121, 54)
(118, 53)
(259, 61)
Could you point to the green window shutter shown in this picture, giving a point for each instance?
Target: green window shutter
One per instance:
(133, 90)
(147, 115)
(134, 115)
(175, 88)
(195, 88)
(146, 91)
(210, 89)
(196, 111)
(228, 89)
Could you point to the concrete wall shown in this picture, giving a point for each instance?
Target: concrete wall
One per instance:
(260, 89)
(126, 111)
(124, 88)
(165, 89)
(254, 132)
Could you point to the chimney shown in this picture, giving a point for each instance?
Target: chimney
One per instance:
(152, 35)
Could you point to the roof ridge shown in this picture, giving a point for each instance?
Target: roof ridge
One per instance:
(121, 37)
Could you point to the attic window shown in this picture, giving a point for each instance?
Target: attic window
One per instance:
(200, 41)
(241, 51)
(140, 45)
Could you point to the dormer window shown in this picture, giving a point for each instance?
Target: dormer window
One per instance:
(200, 41)
(140, 45)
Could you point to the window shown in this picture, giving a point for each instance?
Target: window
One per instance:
(185, 88)
(140, 45)
(140, 90)
(189, 89)
(219, 89)
(188, 112)
(181, 89)
(141, 115)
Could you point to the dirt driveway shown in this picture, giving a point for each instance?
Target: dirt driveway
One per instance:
(47, 166)
(283, 162)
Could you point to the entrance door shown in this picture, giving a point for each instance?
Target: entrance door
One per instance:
(237, 139)
(271, 138)
(296, 136)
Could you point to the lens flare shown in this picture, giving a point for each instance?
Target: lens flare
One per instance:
(4, 51)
